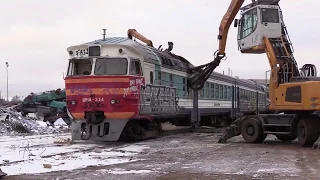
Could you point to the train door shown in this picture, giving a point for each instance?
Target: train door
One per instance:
(149, 73)
(235, 100)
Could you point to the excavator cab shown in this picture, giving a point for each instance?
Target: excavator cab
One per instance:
(258, 19)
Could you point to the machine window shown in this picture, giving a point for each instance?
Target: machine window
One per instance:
(79, 67)
(248, 23)
(135, 68)
(270, 15)
(111, 66)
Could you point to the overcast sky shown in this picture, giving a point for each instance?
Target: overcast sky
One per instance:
(35, 34)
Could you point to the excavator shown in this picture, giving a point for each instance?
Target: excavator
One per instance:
(294, 109)
(294, 96)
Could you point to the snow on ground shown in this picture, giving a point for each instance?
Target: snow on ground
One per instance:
(28, 155)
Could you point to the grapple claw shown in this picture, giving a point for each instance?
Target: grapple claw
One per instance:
(231, 131)
(316, 145)
(2, 174)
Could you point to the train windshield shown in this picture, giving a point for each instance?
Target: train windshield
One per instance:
(111, 66)
(79, 67)
(270, 15)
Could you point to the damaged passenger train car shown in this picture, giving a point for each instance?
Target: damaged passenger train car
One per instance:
(118, 88)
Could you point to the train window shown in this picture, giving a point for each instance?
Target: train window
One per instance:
(79, 67)
(162, 60)
(261, 98)
(221, 92)
(151, 77)
(159, 77)
(111, 66)
(184, 86)
(217, 91)
(190, 92)
(229, 92)
(135, 67)
(202, 92)
(207, 95)
(212, 90)
(225, 93)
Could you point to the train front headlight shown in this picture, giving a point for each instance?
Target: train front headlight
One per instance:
(113, 101)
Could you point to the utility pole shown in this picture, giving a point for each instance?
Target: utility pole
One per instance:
(7, 64)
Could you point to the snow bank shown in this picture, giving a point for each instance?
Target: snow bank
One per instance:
(12, 123)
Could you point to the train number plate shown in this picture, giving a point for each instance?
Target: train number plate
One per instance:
(92, 99)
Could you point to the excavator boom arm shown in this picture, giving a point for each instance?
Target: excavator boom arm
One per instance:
(134, 33)
(202, 73)
(226, 21)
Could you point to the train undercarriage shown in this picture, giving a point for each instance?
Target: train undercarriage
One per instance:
(136, 129)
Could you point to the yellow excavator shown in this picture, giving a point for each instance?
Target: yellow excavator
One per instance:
(294, 93)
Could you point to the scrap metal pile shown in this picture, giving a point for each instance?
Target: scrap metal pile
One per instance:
(13, 123)
(48, 106)
(37, 114)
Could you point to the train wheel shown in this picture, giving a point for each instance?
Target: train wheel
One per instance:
(286, 138)
(252, 132)
(307, 130)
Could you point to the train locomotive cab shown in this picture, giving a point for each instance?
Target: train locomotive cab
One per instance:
(257, 21)
(102, 86)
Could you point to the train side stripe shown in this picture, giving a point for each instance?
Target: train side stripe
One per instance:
(97, 85)
(113, 115)
(91, 80)
(98, 91)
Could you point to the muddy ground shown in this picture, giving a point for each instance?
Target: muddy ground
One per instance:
(198, 156)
